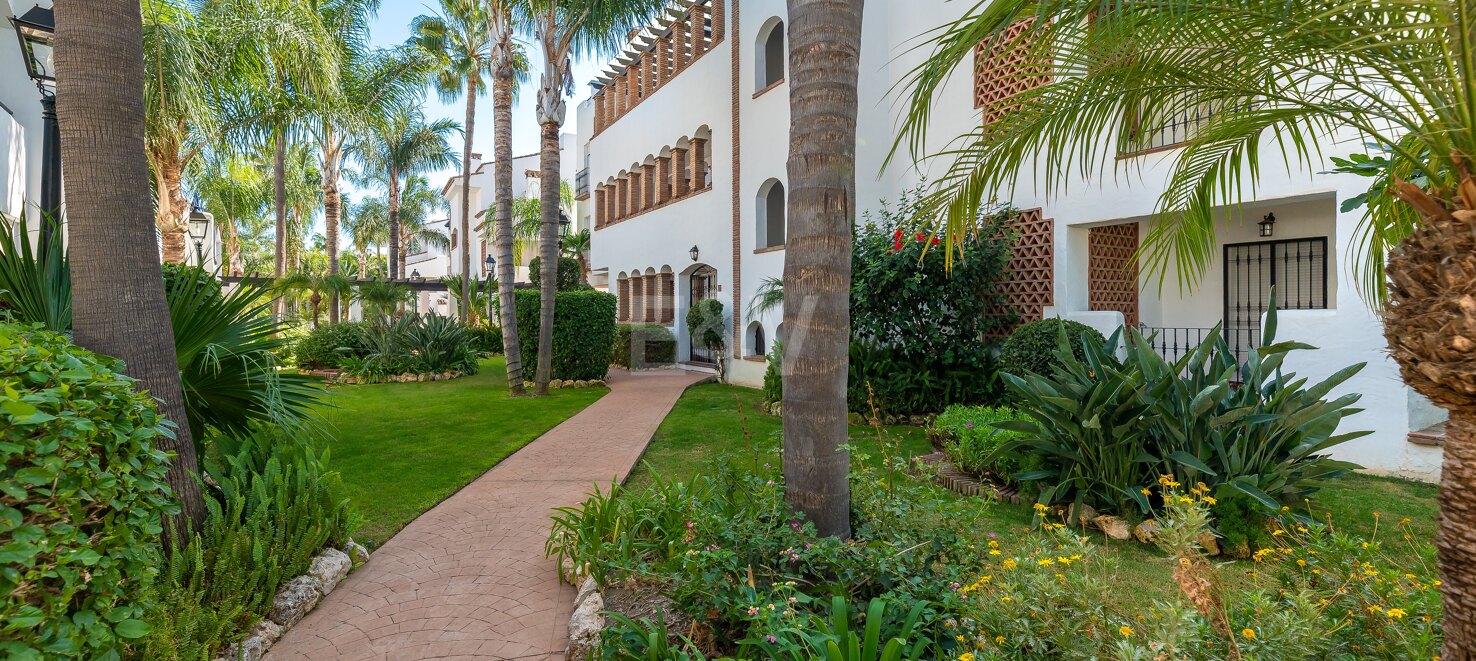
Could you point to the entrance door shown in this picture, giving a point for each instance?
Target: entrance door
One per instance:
(1297, 268)
(703, 283)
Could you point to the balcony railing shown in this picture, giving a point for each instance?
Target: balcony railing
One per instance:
(1174, 343)
(1169, 127)
(581, 184)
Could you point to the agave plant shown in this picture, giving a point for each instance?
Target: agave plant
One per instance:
(35, 287)
(225, 345)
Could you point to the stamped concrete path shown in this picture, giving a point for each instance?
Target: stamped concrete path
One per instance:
(468, 579)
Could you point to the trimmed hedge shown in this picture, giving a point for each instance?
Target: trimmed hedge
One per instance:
(85, 493)
(1032, 348)
(584, 332)
(656, 344)
(487, 339)
(570, 277)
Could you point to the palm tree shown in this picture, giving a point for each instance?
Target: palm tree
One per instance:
(368, 226)
(397, 146)
(316, 284)
(1401, 76)
(304, 195)
(562, 28)
(509, 66)
(824, 56)
(419, 207)
(458, 39)
(577, 245)
(118, 297)
(369, 83)
(380, 298)
(234, 190)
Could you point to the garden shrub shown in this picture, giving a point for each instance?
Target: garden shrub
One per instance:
(643, 345)
(1031, 349)
(275, 507)
(82, 498)
(570, 275)
(919, 327)
(583, 333)
(707, 323)
(326, 346)
(1106, 429)
(973, 443)
(774, 373)
(487, 339)
(412, 344)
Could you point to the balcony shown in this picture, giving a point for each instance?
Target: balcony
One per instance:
(581, 184)
(1168, 127)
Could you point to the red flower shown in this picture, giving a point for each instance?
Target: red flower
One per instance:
(897, 234)
(921, 237)
(937, 241)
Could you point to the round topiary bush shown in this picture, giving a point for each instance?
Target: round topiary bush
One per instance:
(84, 495)
(1035, 347)
(327, 345)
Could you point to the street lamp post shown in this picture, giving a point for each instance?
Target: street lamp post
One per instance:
(36, 30)
(489, 266)
(199, 228)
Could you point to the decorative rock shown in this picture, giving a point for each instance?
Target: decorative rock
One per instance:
(356, 552)
(1114, 527)
(569, 572)
(1209, 543)
(856, 419)
(1085, 514)
(255, 646)
(329, 568)
(295, 599)
(1146, 532)
(917, 420)
(585, 626)
(587, 588)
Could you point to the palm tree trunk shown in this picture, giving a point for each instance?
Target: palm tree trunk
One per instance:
(466, 147)
(548, 249)
(170, 209)
(332, 212)
(502, 175)
(119, 307)
(232, 243)
(824, 57)
(1430, 324)
(279, 176)
(394, 225)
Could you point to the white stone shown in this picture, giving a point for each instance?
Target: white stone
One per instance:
(585, 627)
(295, 599)
(1114, 527)
(329, 568)
(356, 552)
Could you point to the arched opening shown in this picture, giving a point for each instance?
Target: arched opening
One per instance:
(757, 343)
(769, 54)
(770, 215)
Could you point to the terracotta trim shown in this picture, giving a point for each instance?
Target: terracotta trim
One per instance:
(643, 212)
(760, 251)
(695, 54)
(771, 86)
(734, 58)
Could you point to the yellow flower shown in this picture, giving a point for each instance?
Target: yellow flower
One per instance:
(993, 544)
(1005, 599)
(993, 551)
(1126, 631)
(1395, 613)
(966, 656)
(1009, 563)
(1375, 609)
(1301, 562)
(1248, 633)
(1040, 507)
(1277, 532)
(1046, 562)
(1210, 500)
(959, 638)
(1000, 640)
(1146, 492)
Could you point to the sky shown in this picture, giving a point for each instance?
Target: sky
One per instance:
(392, 27)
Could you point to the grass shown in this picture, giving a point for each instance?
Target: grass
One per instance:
(404, 447)
(708, 423)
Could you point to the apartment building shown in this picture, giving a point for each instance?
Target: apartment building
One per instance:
(685, 140)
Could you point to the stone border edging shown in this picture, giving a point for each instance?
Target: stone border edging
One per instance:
(957, 481)
(296, 599)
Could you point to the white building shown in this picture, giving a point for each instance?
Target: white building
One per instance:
(671, 228)
(20, 125)
(527, 183)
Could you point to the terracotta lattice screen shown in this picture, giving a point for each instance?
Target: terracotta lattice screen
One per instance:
(1007, 66)
(1030, 279)
(1112, 270)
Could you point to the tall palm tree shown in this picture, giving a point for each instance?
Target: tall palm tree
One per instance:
(458, 39)
(1277, 76)
(235, 190)
(369, 83)
(509, 66)
(563, 28)
(317, 284)
(577, 245)
(304, 196)
(397, 146)
(824, 58)
(118, 297)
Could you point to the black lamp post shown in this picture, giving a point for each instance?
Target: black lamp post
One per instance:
(199, 227)
(489, 265)
(563, 223)
(36, 30)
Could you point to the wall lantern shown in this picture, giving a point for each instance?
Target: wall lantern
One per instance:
(563, 222)
(1266, 224)
(415, 274)
(693, 253)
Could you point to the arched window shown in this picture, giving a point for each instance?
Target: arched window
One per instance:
(770, 55)
(757, 346)
(770, 216)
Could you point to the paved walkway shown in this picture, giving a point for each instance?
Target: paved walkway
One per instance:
(468, 579)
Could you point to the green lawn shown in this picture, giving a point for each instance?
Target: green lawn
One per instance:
(403, 447)
(707, 422)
